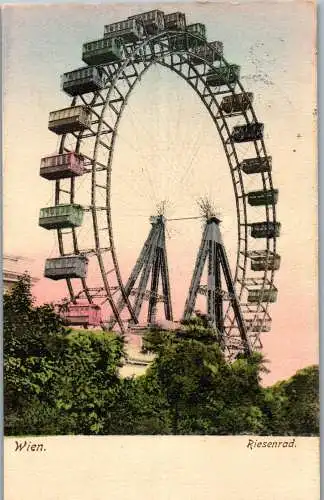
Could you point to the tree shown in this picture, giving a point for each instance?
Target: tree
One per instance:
(56, 381)
(139, 408)
(206, 394)
(88, 382)
(298, 401)
(33, 340)
(302, 391)
(59, 381)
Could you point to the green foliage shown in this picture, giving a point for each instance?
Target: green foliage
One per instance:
(204, 392)
(302, 410)
(59, 381)
(88, 380)
(139, 408)
(33, 340)
(294, 404)
(56, 382)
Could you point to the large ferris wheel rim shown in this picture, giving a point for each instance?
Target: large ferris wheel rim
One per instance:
(184, 56)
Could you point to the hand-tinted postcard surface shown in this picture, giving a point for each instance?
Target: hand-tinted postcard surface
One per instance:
(160, 251)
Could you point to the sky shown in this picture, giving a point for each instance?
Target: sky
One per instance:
(167, 148)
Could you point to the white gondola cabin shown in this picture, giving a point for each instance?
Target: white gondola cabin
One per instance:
(81, 81)
(175, 21)
(61, 166)
(82, 315)
(263, 197)
(61, 216)
(73, 266)
(248, 132)
(236, 103)
(210, 52)
(74, 119)
(256, 165)
(130, 30)
(224, 75)
(153, 21)
(265, 229)
(102, 51)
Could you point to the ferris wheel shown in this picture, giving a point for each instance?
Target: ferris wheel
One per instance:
(83, 169)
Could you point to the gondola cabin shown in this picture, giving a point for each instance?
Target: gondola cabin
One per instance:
(265, 229)
(248, 132)
(102, 51)
(175, 21)
(74, 266)
(74, 119)
(61, 166)
(196, 35)
(256, 165)
(258, 325)
(266, 295)
(209, 52)
(197, 29)
(81, 81)
(263, 197)
(153, 21)
(129, 30)
(236, 103)
(224, 75)
(82, 315)
(61, 216)
(260, 261)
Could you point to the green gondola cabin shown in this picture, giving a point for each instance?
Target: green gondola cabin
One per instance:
(210, 52)
(130, 30)
(104, 51)
(224, 75)
(61, 216)
(73, 266)
(81, 81)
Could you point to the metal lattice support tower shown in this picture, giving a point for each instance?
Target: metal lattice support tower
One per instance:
(152, 261)
(213, 251)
